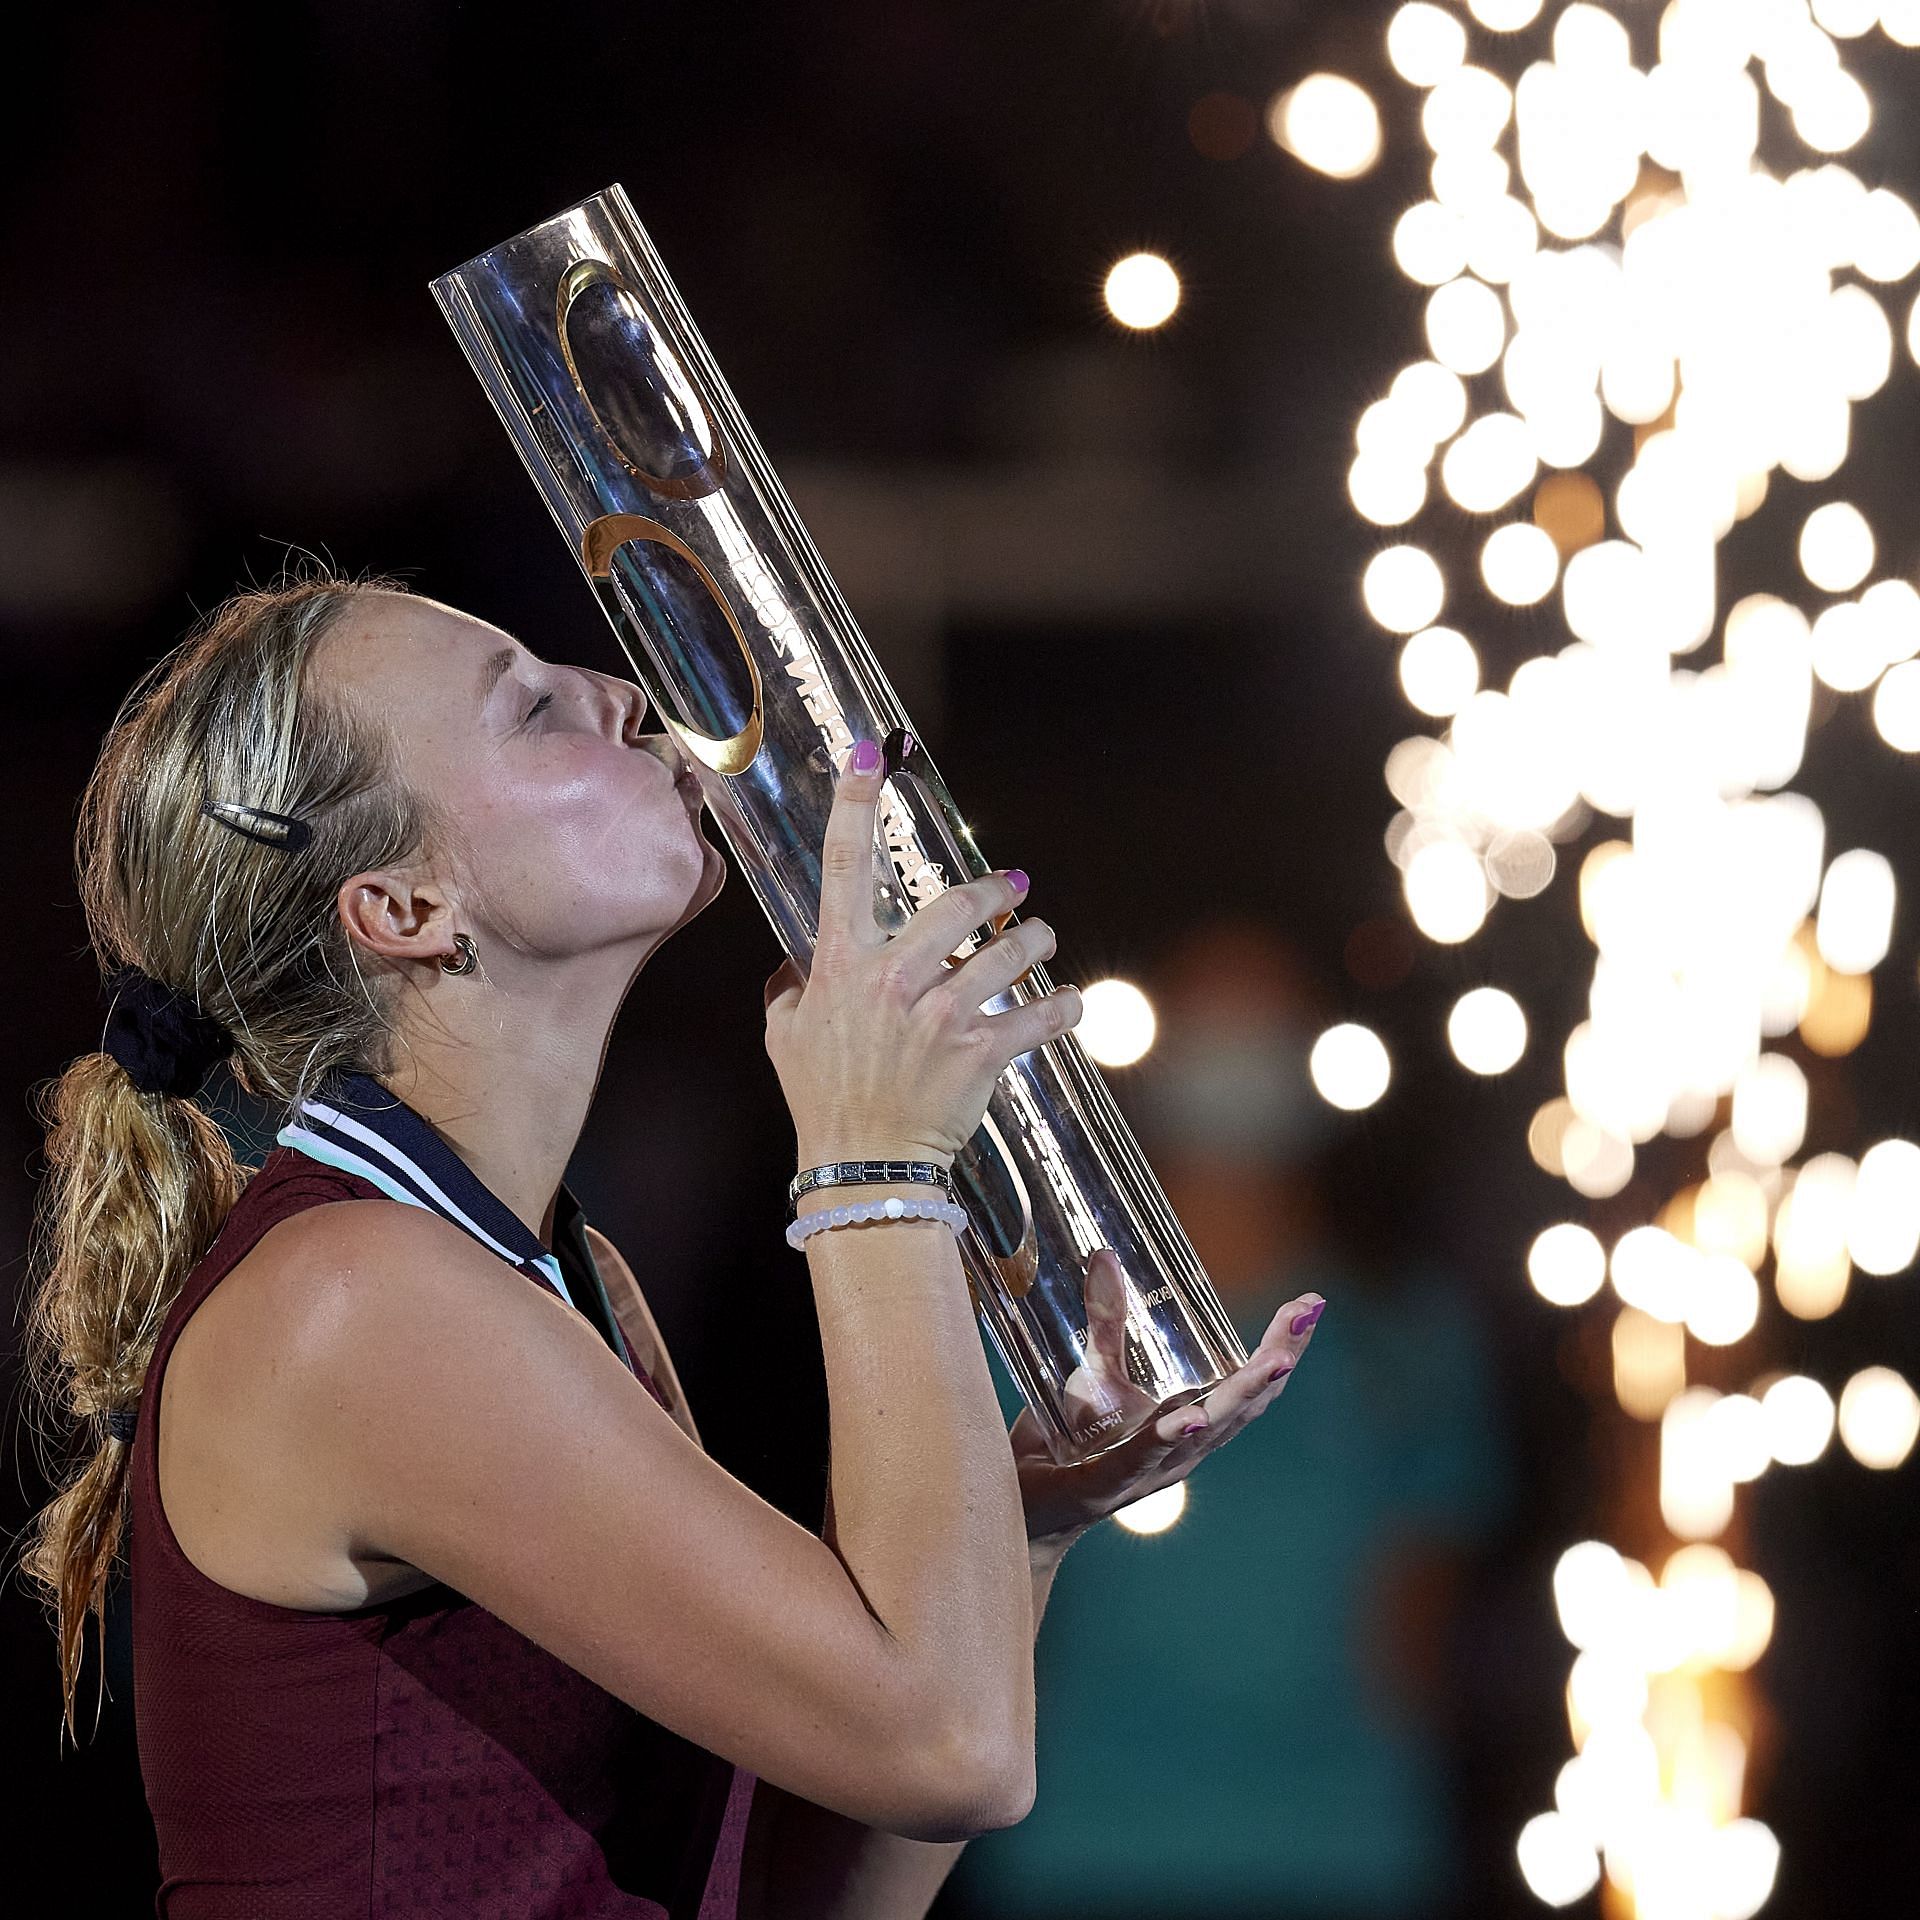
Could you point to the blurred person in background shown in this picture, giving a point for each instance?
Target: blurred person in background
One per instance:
(1244, 1713)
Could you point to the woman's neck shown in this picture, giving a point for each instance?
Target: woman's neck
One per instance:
(506, 1079)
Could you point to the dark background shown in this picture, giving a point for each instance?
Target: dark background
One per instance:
(891, 223)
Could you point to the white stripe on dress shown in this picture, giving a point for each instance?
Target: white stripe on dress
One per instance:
(330, 1154)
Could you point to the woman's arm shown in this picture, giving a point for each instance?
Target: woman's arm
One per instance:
(803, 1862)
(526, 1469)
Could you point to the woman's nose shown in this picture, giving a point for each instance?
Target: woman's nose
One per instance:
(633, 709)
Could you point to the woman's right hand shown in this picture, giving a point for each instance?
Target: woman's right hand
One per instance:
(882, 1051)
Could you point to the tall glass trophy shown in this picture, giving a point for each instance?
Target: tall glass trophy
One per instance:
(759, 673)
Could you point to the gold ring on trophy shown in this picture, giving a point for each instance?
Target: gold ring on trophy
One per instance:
(711, 473)
(600, 540)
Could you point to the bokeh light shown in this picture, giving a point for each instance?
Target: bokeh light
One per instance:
(1654, 271)
(1557, 1859)
(1799, 1415)
(1153, 1512)
(1433, 399)
(1439, 671)
(1770, 1110)
(1567, 1265)
(1328, 123)
(1142, 291)
(1836, 547)
(1723, 1301)
(1425, 43)
(1505, 16)
(1487, 1030)
(1855, 926)
(1490, 463)
(1430, 243)
(1883, 1221)
(1879, 1417)
(1403, 589)
(1900, 21)
(1465, 326)
(1446, 891)
(1349, 1066)
(1520, 564)
(1466, 111)
(1116, 1022)
(1386, 490)
(1896, 707)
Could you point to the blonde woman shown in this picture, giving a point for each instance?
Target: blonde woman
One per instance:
(439, 1607)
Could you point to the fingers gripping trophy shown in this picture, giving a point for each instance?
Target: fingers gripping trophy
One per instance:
(1078, 1269)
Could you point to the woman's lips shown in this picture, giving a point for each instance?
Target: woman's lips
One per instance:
(670, 757)
(686, 783)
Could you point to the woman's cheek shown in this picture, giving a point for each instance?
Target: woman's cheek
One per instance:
(588, 846)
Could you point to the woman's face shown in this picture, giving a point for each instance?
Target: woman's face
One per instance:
(571, 830)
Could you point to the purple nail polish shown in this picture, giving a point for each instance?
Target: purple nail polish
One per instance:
(1017, 879)
(1199, 1426)
(1279, 1373)
(1303, 1322)
(865, 757)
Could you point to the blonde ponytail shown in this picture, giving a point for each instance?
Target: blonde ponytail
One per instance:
(248, 933)
(138, 1184)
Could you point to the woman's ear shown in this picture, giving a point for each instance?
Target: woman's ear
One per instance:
(396, 917)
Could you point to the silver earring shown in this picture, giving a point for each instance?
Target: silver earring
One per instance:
(469, 956)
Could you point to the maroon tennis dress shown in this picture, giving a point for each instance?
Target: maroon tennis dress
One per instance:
(420, 1759)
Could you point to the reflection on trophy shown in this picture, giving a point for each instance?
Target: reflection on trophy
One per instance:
(747, 651)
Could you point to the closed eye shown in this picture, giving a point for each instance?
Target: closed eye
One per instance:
(539, 706)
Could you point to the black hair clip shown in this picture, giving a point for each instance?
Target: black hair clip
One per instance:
(282, 830)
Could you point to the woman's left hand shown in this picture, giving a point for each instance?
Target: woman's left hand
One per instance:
(1062, 1502)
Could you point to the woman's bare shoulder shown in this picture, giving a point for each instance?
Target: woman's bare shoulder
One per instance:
(323, 1291)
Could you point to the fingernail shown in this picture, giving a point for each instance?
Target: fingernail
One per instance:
(866, 756)
(1017, 879)
(1280, 1372)
(1199, 1426)
(1303, 1321)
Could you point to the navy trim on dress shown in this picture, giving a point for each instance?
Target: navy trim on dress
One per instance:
(361, 1127)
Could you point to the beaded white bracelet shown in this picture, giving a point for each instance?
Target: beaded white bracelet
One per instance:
(893, 1208)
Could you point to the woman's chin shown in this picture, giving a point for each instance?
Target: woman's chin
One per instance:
(713, 876)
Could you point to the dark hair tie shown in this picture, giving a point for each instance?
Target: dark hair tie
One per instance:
(162, 1039)
(121, 1423)
(286, 831)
